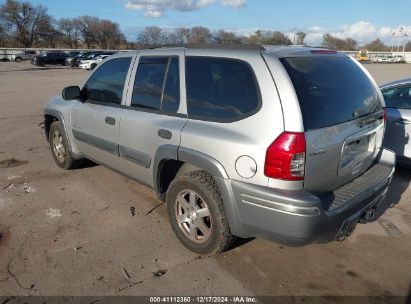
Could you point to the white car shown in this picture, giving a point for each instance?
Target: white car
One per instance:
(379, 58)
(399, 59)
(90, 64)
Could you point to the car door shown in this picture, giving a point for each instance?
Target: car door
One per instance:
(155, 110)
(398, 129)
(95, 123)
(48, 59)
(55, 58)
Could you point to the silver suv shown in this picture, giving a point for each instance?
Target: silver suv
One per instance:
(25, 55)
(247, 141)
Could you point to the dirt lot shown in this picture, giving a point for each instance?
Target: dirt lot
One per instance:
(72, 232)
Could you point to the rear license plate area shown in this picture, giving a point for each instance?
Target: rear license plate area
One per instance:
(355, 152)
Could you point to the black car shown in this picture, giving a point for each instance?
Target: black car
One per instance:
(50, 58)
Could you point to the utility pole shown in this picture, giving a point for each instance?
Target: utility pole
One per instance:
(294, 29)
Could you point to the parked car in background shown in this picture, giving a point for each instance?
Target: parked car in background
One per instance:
(70, 60)
(397, 97)
(379, 58)
(399, 59)
(249, 141)
(90, 64)
(53, 58)
(26, 55)
(73, 61)
(85, 56)
(383, 59)
(72, 54)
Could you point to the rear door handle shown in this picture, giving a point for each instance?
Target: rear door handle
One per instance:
(166, 134)
(110, 120)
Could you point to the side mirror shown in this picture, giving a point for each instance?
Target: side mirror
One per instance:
(71, 93)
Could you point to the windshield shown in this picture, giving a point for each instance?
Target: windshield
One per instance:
(331, 90)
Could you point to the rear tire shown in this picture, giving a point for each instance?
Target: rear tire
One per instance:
(93, 66)
(196, 213)
(60, 148)
(18, 59)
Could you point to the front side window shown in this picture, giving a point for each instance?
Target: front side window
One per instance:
(107, 83)
(220, 89)
(399, 97)
(157, 84)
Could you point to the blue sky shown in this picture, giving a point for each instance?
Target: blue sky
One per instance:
(362, 20)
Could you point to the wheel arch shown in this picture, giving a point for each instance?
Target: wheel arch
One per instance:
(172, 159)
(51, 115)
(175, 160)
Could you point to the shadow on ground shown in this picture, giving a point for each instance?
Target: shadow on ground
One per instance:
(399, 185)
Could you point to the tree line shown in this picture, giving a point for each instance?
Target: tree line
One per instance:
(25, 25)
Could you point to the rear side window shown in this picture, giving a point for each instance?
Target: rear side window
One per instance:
(107, 83)
(220, 89)
(157, 84)
(331, 90)
(399, 97)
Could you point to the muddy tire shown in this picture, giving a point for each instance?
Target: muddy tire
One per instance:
(196, 213)
(60, 149)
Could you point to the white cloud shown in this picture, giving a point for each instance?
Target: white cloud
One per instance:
(316, 29)
(156, 8)
(234, 3)
(362, 31)
(359, 31)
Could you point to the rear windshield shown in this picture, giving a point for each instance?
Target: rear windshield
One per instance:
(331, 90)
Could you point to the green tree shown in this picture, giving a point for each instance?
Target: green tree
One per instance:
(376, 46)
(225, 37)
(152, 35)
(70, 29)
(270, 38)
(301, 37)
(107, 34)
(335, 43)
(29, 23)
(200, 34)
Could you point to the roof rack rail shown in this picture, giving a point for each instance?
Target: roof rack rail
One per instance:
(248, 47)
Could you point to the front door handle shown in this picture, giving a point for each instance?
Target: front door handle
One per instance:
(166, 134)
(110, 120)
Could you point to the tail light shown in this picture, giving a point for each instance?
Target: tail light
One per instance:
(385, 116)
(285, 157)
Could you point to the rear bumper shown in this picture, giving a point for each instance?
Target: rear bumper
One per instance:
(298, 218)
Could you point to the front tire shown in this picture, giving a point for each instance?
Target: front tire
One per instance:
(60, 148)
(196, 213)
